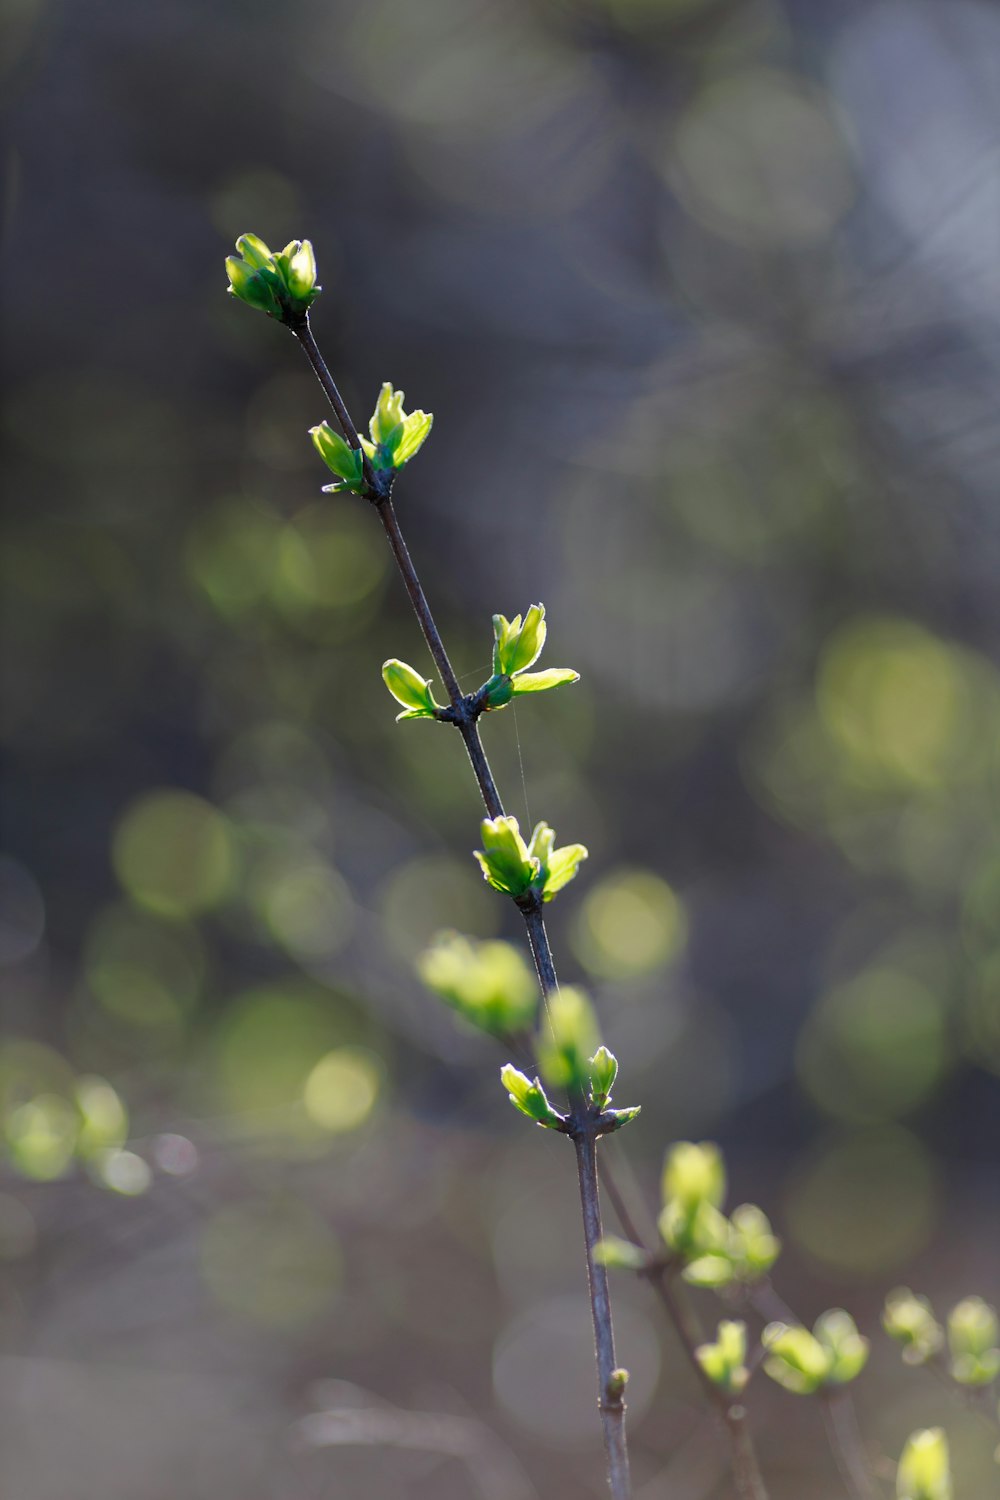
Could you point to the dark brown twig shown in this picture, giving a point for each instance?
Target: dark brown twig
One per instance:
(583, 1123)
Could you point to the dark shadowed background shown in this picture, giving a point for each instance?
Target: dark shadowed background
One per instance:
(704, 297)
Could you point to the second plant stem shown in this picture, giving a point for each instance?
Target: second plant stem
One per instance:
(747, 1477)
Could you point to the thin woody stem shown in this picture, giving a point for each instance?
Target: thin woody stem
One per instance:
(304, 334)
(465, 721)
(418, 599)
(610, 1386)
(610, 1392)
(581, 1119)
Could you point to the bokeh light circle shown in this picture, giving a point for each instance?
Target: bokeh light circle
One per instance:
(759, 160)
(174, 853)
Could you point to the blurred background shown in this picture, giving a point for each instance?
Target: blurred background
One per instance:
(704, 297)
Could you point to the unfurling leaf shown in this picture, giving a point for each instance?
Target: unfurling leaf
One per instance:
(529, 1097)
(346, 462)
(410, 689)
(540, 682)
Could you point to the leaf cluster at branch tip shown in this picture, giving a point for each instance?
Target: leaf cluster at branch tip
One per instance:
(280, 283)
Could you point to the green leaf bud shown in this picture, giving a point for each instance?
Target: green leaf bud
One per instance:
(489, 984)
(924, 1471)
(603, 1072)
(910, 1321)
(973, 1342)
(497, 692)
(529, 1097)
(410, 689)
(694, 1174)
(504, 858)
(753, 1246)
(616, 1118)
(837, 1333)
(571, 1038)
(795, 1358)
(620, 1255)
(724, 1362)
(615, 1388)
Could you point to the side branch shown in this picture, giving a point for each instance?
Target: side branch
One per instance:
(746, 1470)
(743, 1456)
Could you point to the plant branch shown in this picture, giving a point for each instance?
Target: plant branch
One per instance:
(746, 1470)
(304, 334)
(541, 951)
(840, 1419)
(422, 610)
(583, 1122)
